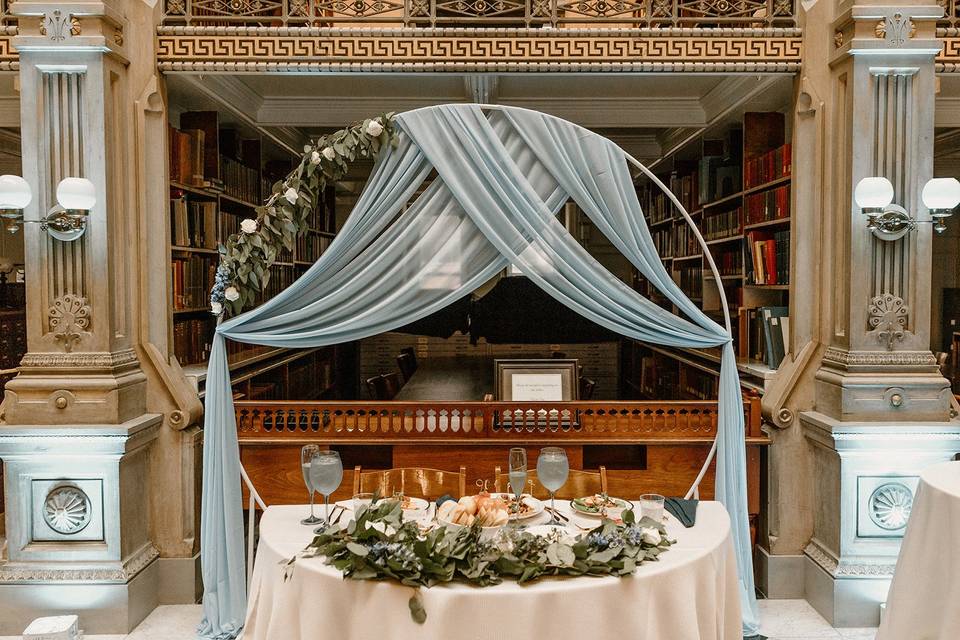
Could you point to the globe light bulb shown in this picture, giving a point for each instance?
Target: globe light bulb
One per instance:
(940, 195)
(873, 193)
(76, 193)
(14, 192)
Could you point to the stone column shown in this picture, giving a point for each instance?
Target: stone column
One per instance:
(882, 410)
(94, 432)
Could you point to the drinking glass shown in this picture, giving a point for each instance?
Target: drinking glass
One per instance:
(326, 473)
(518, 472)
(362, 500)
(306, 455)
(552, 469)
(651, 506)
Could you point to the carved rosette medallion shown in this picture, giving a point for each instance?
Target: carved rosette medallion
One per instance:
(66, 510)
(69, 319)
(888, 318)
(890, 505)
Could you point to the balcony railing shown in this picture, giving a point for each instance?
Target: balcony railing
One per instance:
(482, 13)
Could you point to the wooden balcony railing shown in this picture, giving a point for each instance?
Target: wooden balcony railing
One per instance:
(357, 422)
(482, 13)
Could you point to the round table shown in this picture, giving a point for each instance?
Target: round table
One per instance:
(690, 593)
(922, 603)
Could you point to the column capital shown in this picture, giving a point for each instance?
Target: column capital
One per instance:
(70, 26)
(881, 28)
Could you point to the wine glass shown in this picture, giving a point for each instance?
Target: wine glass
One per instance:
(552, 469)
(326, 473)
(518, 473)
(306, 455)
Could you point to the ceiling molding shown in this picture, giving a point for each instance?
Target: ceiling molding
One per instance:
(729, 92)
(596, 111)
(642, 146)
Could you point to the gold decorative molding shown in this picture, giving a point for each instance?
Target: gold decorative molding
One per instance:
(254, 49)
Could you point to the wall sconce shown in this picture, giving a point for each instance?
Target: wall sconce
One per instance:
(888, 221)
(66, 221)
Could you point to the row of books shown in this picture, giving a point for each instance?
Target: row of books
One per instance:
(768, 167)
(763, 333)
(186, 155)
(192, 279)
(663, 241)
(192, 338)
(768, 205)
(311, 246)
(769, 257)
(722, 225)
(686, 188)
(239, 180)
(659, 208)
(193, 223)
(729, 261)
(719, 178)
(690, 279)
(685, 241)
(698, 384)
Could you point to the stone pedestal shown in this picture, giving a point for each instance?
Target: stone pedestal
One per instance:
(865, 478)
(77, 504)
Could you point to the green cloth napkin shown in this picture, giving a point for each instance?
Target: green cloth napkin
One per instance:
(683, 510)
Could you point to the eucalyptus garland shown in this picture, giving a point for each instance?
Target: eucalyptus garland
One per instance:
(378, 545)
(245, 259)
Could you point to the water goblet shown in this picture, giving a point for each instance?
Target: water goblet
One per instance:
(326, 473)
(306, 455)
(651, 506)
(552, 470)
(518, 473)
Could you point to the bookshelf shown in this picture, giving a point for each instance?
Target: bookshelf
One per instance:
(218, 175)
(734, 181)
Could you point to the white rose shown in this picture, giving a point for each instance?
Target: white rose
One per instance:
(248, 225)
(231, 294)
(374, 128)
(291, 195)
(314, 158)
(329, 153)
(216, 308)
(650, 535)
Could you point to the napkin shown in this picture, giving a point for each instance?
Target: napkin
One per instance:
(444, 498)
(683, 510)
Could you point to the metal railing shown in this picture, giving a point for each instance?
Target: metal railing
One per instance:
(482, 13)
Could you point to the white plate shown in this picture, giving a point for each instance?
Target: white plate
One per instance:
(527, 500)
(624, 505)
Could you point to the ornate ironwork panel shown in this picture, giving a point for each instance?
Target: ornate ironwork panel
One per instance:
(478, 13)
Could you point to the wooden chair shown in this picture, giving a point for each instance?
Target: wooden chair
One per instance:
(418, 482)
(408, 365)
(578, 484)
(384, 386)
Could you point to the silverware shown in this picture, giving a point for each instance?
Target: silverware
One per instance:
(557, 514)
(336, 519)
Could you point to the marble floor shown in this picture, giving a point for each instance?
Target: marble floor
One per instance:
(779, 620)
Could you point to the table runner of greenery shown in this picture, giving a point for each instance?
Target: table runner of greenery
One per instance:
(378, 545)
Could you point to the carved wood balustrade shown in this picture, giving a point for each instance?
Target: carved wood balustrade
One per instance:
(479, 13)
(348, 422)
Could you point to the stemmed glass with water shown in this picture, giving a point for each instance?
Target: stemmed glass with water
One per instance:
(326, 474)
(518, 473)
(552, 470)
(306, 455)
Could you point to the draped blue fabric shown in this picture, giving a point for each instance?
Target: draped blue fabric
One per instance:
(502, 176)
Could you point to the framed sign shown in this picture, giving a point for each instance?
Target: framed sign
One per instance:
(548, 380)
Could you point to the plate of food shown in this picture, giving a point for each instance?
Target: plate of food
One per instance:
(599, 505)
(487, 510)
(407, 503)
(528, 506)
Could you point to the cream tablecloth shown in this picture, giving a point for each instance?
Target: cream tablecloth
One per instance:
(924, 599)
(691, 593)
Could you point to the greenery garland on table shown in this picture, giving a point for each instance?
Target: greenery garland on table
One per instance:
(378, 545)
(245, 260)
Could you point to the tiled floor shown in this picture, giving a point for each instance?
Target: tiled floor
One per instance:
(779, 620)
